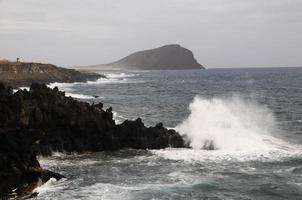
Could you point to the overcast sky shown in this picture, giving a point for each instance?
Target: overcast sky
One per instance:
(221, 33)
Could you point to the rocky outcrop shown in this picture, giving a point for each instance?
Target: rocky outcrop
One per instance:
(42, 120)
(167, 57)
(19, 74)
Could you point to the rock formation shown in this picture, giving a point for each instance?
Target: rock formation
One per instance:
(167, 57)
(42, 120)
(19, 74)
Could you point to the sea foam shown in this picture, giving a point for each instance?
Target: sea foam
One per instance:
(233, 128)
(232, 123)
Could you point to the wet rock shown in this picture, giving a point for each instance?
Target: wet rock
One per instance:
(42, 120)
(134, 134)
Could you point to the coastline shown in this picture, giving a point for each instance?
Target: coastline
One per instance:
(21, 74)
(43, 120)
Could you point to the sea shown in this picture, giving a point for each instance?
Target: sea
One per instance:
(252, 116)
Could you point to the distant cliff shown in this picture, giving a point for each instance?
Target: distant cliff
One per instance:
(23, 74)
(166, 57)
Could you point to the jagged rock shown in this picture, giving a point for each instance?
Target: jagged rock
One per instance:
(133, 134)
(42, 120)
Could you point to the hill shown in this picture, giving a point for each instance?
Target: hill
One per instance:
(23, 74)
(167, 57)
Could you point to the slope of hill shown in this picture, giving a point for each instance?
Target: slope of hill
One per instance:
(23, 74)
(167, 57)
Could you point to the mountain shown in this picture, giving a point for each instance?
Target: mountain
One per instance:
(167, 57)
(23, 74)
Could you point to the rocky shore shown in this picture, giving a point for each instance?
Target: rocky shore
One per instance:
(19, 74)
(43, 120)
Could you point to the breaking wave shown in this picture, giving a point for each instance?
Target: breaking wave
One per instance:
(233, 123)
(232, 128)
(118, 118)
(120, 75)
(81, 96)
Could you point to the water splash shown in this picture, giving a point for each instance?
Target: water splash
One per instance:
(235, 128)
(229, 124)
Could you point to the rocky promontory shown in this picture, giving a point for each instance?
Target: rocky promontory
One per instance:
(43, 120)
(18, 74)
(168, 57)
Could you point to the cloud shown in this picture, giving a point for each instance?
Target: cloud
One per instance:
(259, 32)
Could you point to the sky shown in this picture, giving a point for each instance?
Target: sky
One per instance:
(221, 33)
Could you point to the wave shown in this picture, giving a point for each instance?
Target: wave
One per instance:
(104, 190)
(69, 91)
(66, 87)
(234, 128)
(107, 81)
(20, 88)
(52, 185)
(232, 123)
(112, 78)
(118, 118)
(63, 86)
(81, 96)
(115, 78)
(119, 75)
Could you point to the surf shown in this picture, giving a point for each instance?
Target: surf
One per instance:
(232, 128)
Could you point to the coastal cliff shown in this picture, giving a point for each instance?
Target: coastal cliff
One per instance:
(18, 74)
(43, 120)
(168, 57)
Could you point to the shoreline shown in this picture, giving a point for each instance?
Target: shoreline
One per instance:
(21, 74)
(43, 120)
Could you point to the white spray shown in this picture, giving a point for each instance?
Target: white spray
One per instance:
(227, 124)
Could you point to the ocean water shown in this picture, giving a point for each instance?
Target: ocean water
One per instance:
(253, 118)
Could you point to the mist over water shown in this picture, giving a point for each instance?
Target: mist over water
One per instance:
(251, 117)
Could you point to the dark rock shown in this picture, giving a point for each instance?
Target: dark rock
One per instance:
(43, 120)
(133, 134)
(159, 125)
(46, 175)
(99, 105)
(56, 89)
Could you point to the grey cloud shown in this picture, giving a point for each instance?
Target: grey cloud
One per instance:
(235, 33)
